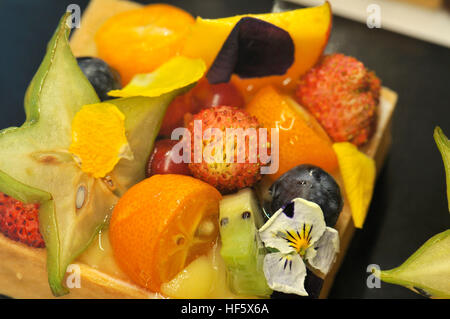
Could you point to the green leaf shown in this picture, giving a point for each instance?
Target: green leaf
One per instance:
(427, 271)
(443, 145)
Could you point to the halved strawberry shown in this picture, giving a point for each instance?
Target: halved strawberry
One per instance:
(20, 221)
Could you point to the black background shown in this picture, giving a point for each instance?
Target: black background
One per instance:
(409, 204)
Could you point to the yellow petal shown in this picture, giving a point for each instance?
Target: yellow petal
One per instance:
(358, 173)
(177, 73)
(98, 138)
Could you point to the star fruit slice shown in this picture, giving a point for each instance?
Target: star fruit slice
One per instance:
(36, 165)
(427, 271)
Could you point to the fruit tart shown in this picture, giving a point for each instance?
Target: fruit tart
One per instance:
(167, 156)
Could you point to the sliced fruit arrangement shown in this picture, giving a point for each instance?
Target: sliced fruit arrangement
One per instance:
(40, 168)
(134, 34)
(242, 249)
(306, 201)
(161, 225)
(79, 159)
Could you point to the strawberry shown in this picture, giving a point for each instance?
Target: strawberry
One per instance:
(343, 96)
(218, 170)
(19, 221)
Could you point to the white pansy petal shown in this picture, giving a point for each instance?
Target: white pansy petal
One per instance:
(285, 273)
(295, 227)
(309, 213)
(310, 253)
(327, 247)
(272, 233)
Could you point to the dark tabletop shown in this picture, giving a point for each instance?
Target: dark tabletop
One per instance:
(409, 204)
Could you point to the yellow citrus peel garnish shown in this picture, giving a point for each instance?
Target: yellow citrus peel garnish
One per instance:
(178, 72)
(98, 138)
(358, 173)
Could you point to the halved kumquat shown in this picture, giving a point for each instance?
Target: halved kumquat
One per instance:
(140, 40)
(161, 225)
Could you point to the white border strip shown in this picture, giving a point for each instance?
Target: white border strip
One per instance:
(431, 25)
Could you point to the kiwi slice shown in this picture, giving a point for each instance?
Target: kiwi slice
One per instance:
(35, 165)
(242, 250)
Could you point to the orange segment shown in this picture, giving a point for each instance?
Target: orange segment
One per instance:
(309, 29)
(308, 118)
(140, 40)
(99, 139)
(161, 225)
(301, 141)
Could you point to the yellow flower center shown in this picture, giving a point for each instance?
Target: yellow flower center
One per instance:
(300, 240)
(98, 138)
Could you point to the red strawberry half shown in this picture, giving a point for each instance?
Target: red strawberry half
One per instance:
(20, 222)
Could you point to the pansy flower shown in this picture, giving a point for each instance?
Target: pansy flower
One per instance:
(297, 235)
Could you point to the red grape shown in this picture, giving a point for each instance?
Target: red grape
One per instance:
(160, 161)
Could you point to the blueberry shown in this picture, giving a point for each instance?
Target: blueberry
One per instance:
(101, 76)
(311, 183)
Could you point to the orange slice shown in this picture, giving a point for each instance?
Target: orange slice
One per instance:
(301, 139)
(161, 225)
(140, 40)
